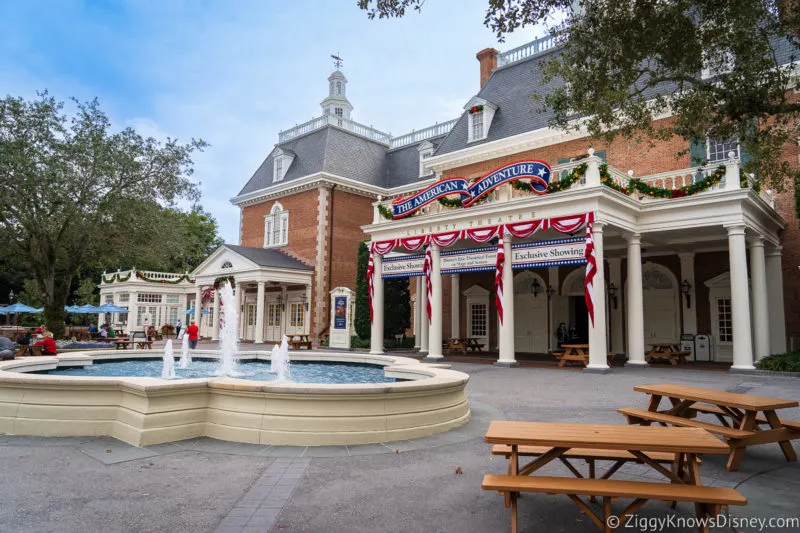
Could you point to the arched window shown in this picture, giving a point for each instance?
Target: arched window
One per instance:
(338, 87)
(276, 227)
(226, 265)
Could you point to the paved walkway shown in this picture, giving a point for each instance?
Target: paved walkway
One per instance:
(205, 485)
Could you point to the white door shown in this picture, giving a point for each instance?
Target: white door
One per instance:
(273, 333)
(250, 321)
(660, 320)
(530, 323)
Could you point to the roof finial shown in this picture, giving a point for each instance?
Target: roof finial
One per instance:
(337, 61)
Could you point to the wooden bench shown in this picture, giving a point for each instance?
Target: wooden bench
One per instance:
(25, 350)
(299, 341)
(673, 357)
(708, 500)
(584, 360)
(723, 416)
(124, 344)
(645, 417)
(454, 346)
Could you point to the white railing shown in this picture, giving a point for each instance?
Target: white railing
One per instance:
(333, 120)
(420, 135)
(133, 275)
(168, 276)
(526, 50)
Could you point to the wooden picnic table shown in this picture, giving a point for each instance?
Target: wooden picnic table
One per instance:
(297, 341)
(25, 350)
(669, 351)
(578, 353)
(454, 346)
(123, 344)
(738, 414)
(472, 343)
(641, 443)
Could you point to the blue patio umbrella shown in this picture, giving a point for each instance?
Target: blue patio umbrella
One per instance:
(202, 312)
(86, 310)
(21, 308)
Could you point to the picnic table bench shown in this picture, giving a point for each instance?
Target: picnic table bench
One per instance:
(548, 441)
(299, 341)
(668, 351)
(578, 353)
(473, 344)
(454, 346)
(123, 344)
(738, 415)
(25, 350)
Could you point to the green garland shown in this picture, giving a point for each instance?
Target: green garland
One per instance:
(564, 183)
(635, 184)
(385, 212)
(222, 279)
(116, 278)
(756, 186)
(184, 277)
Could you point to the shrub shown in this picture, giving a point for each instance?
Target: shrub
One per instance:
(781, 362)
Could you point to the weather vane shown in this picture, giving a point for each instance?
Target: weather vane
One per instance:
(337, 61)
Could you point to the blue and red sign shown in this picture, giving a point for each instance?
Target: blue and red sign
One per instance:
(538, 172)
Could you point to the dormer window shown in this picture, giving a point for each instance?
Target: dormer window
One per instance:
(480, 113)
(426, 150)
(282, 160)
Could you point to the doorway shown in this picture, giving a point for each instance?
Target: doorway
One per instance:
(579, 319)
(250, 322)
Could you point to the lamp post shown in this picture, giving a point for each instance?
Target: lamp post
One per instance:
(304, 299)
(612, 293)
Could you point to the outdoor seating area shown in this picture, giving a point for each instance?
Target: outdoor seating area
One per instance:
(578, 353)
(300, 341)
(462, 345)
(670, 352)
(672, 449)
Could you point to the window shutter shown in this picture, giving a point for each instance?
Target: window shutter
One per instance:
(697, 152)
(268, 231)
(284, 228)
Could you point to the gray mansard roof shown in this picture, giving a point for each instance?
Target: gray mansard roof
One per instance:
(329, 149)
(402, 164)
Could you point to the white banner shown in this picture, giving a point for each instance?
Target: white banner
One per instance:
(523, 255)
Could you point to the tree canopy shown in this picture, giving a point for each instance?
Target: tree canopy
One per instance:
(718, 68)
(77, 191)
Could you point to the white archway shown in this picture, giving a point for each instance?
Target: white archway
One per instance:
(530, 313)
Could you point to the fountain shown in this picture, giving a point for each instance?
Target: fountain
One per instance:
(229, 332)
(168, 370)
(279, 361)
(186, 356)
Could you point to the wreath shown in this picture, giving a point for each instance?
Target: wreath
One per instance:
(144, 277)
(222, 279)
(116, 278)
(475, 109)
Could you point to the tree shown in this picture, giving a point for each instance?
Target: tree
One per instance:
(713, 66)
(362, 324)
(74, 191)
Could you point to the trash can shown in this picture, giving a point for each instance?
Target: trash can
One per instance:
(702, 348)
(687, 344)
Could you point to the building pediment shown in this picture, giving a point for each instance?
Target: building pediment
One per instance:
(723, 280)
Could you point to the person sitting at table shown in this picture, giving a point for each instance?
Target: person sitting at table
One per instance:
(92, 331)
(111, 332)
(48, 344)
(40, 331)
(562, 334)
(6, 347)
(103, 331)
(24, 338)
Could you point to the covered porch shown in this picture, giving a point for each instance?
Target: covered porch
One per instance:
(665, 270)
(272, 289)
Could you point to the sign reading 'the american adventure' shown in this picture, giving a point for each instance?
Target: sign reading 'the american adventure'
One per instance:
(523, 255)
(538, 172)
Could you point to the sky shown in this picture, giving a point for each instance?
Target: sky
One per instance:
(234, 73)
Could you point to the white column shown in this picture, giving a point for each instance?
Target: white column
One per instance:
(553, 281)
(424, 322)
(777, 316)
(258, 338)
(376, 334)
(198, 295)
(732, 175)
(418, 299)
(758, 281)
(740, 299)
(435, 333)
(634, 307)
(593, 169)
(215, 317)
(240, 309)
(506, 350)
(598, 346)
(455, 306)
(307, 313)
(615, 277)
(690, 309)
(133, 312)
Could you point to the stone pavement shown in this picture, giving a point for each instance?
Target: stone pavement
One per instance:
(95, 484)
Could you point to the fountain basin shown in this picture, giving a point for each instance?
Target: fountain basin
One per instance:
(145, 411)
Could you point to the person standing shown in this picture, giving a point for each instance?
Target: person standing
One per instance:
(194, 333)
(178, 326)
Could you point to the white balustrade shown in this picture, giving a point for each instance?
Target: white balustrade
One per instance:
(333, 120)
(425, 133)
(527, 50)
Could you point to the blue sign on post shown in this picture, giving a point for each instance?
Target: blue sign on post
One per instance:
(340, 312)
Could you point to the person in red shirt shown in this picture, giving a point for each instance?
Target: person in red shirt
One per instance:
(194, 333)
(48, 344)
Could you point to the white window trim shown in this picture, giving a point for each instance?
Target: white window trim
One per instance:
(477, 295)
(725, 158)
(426, 150)
(277, 215)
(281, 161)
(486, 116)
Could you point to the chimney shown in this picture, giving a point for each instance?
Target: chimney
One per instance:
(488, 61)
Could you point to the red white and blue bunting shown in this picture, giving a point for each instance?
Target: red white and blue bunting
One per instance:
(520, 230)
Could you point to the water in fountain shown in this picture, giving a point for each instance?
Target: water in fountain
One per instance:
(229, 332)
(186, 356)
(168, 370)
(279, 361)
